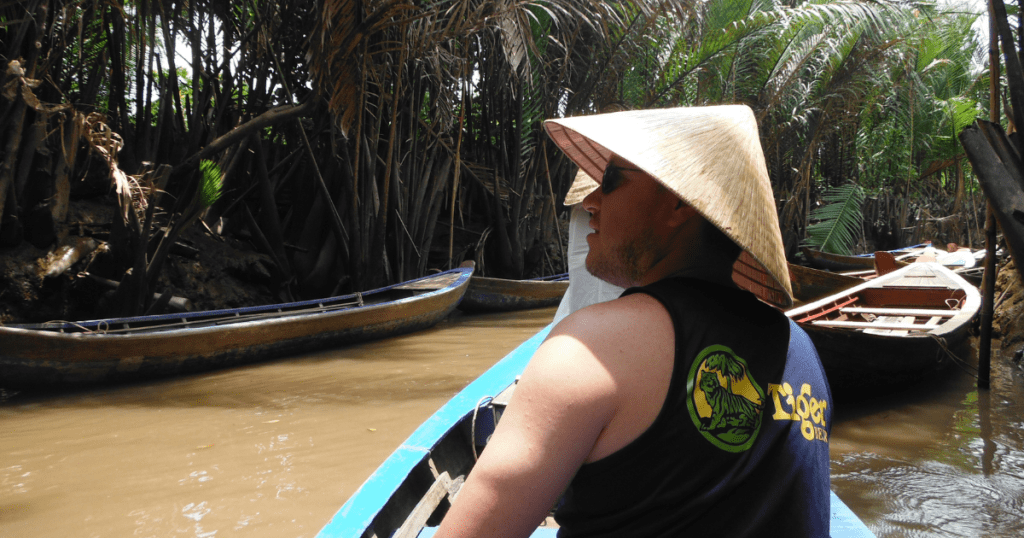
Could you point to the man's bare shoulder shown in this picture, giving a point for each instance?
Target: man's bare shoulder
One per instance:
(612, 336)
(633, 316)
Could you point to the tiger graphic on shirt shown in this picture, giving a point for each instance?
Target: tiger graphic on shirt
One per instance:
(725, 403)
(728, 409)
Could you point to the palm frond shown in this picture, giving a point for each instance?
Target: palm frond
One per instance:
(838, 220)
(211, 183)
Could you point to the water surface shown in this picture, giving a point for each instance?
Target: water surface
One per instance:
(273, 450)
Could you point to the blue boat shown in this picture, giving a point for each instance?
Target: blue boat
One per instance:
(407, 495)
(116, 350)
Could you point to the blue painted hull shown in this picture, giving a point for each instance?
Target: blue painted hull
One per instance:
(390, 494)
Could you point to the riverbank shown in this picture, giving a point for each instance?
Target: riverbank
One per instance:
(210, 271)
(206, 270)
(1008, 316)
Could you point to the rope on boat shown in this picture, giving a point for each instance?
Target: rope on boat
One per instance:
(967, 368)
(101, 327)
(472, 429)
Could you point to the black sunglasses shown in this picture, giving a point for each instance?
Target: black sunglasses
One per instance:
(612, 177)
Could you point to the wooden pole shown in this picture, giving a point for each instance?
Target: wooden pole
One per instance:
(988, 293)
(988, 285)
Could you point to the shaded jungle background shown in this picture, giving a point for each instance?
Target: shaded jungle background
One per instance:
(360, 143)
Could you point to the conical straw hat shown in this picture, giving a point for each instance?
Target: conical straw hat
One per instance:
(708, 156)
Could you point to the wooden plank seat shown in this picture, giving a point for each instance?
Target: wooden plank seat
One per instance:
(889, 325)
(902, 325)
(839, 304)
(880, 311)
(442, 488)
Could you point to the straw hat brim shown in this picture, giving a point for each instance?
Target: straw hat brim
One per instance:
(711, 158)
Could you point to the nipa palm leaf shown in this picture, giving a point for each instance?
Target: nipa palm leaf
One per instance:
(837, 220)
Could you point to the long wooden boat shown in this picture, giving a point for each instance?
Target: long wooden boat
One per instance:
(61, 354)
(962, 262)
(839, 262)
(409, 493)
(487, 294)
(811, 284)
(892, 329)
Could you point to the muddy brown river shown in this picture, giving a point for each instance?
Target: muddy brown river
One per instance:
(273, 450)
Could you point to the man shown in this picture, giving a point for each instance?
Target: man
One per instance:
(687, 405)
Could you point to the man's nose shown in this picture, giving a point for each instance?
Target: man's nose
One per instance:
(592, 201)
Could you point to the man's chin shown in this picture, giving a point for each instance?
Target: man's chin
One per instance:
(603, 273)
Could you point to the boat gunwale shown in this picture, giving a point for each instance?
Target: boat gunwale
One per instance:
(360, 510)
(169, 330)
(559, 278)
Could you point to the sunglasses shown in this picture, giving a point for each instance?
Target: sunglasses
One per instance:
(613, 177)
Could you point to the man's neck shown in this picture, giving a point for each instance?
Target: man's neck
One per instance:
(716, 273)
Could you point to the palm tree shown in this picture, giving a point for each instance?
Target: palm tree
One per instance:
(727, 365)
(363, 142)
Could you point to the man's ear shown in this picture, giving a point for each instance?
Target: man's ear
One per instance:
(681, 213)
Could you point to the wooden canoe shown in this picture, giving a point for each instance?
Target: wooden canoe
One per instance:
(408, 494)
(61, 354)
(863, 262)
(836, 262)
(892, 329)
(811, 284)
(486, 294)
(963, 261)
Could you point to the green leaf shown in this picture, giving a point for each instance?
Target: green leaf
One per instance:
(838, 220)
(211, 183)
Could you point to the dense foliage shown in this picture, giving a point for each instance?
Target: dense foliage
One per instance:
(365, 142)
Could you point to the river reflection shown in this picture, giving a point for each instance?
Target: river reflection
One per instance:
(940, 459)
(275, 449)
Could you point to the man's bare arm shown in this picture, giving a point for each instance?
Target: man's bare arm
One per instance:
(568, 394)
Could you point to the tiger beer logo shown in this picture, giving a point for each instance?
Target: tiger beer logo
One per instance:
(724, 401)
(803, 408)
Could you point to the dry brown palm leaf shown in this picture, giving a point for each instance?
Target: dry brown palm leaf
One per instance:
(107, 144)
(344, 28)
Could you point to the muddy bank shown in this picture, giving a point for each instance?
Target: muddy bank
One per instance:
(205, 272)
(1008, 322)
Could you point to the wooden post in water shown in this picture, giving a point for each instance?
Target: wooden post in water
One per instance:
(988, 293)
(988, 281)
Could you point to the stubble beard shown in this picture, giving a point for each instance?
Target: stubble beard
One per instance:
(628, 262)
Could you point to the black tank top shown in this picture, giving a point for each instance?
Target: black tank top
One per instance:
(740, 446)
